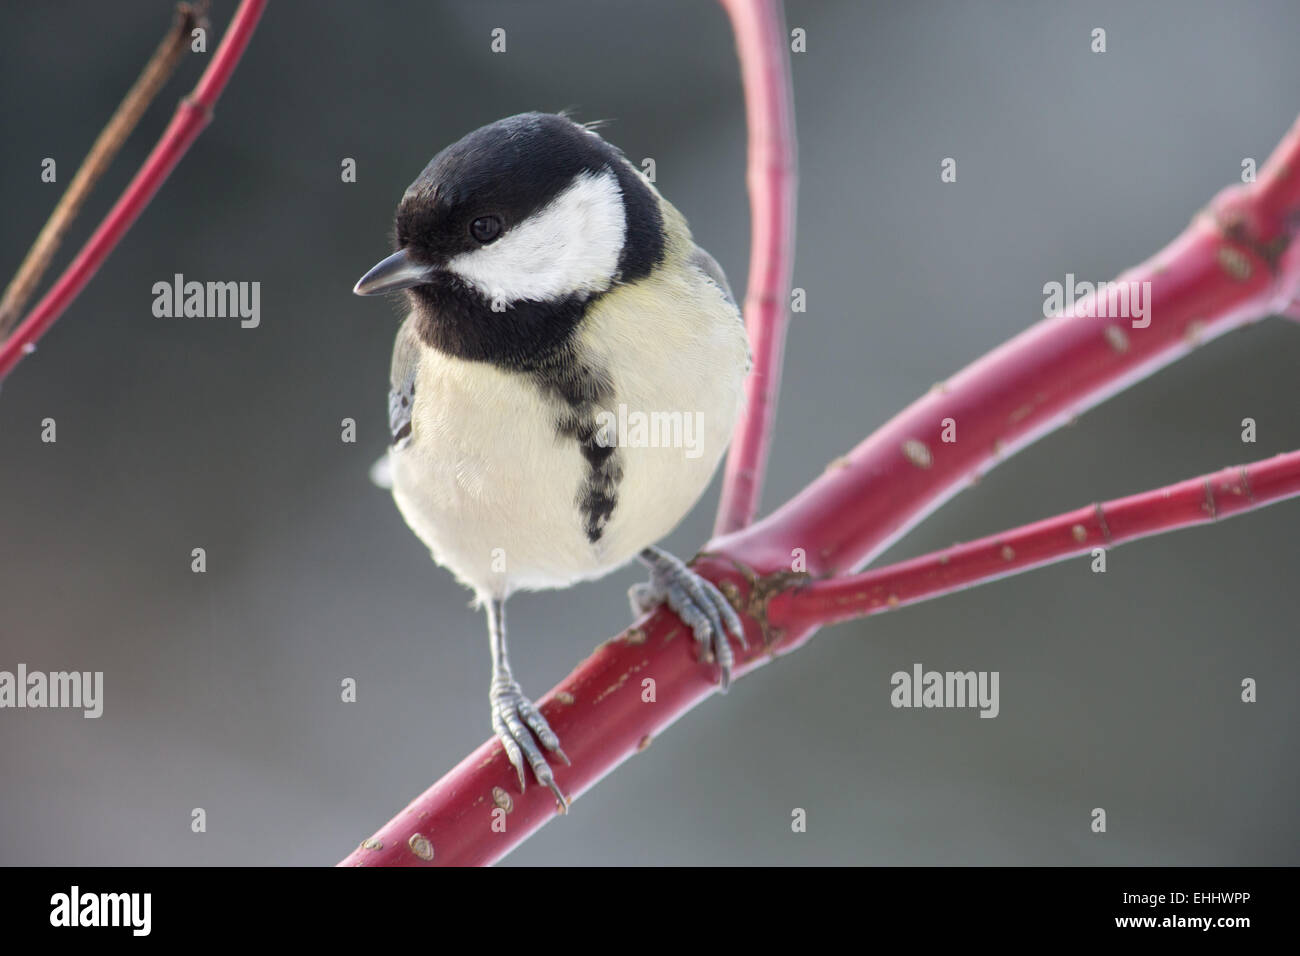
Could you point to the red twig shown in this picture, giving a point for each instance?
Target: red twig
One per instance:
(1225, 493)
(192, 115)
(1234, 264)
(764, 51)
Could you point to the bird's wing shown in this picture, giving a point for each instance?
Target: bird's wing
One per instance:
(401, 387)
(701, 259)
(709, 266)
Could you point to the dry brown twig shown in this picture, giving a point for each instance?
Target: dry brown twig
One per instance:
(123, 122)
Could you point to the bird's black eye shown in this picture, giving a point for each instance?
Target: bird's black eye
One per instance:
(485, 228)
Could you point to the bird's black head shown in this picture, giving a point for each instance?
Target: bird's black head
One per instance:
(509, 234)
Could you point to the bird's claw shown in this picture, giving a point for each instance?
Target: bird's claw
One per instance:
(519, 725)
(696, 601)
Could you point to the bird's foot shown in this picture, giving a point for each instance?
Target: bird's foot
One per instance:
(519, 725)
(696, 601)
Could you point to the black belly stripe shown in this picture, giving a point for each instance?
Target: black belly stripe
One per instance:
(599, 492)
(586, 391)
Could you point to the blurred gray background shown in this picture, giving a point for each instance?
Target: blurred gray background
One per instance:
(222, 690)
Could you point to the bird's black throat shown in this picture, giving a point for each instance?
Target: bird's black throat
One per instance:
(458, 320)
(537, 341)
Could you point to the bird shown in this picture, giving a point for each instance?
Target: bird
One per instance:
(556, 303)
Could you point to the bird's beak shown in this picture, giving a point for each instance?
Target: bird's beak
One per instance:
(396, 272)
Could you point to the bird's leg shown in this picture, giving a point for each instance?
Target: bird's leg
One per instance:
(696, 601)
(511, 711)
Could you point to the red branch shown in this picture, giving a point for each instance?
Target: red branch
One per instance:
(1225, 493)
(762, 45)
(473, 815)
(1234, 264)
(192, 115)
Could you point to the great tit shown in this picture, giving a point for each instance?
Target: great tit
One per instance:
(563, 387)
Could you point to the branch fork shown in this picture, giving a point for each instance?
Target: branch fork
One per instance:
(1235, 264)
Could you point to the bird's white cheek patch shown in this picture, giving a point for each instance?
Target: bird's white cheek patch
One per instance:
(570, 245)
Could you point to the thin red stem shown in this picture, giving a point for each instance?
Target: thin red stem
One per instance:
(763, 47)
(192, 115)
(1213, 497)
